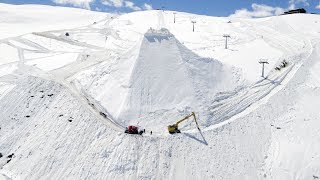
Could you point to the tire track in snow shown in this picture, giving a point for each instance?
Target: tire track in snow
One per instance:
(62, 81)
(266, 89)
(245, 98)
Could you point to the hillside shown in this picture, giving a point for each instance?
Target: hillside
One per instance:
(69, 88)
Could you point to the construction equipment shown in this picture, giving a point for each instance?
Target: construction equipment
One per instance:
(133, 130)
(174, 128)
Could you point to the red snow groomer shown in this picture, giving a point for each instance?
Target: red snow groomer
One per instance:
(133, 130)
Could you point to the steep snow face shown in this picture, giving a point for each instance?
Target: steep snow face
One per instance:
(168, 79)
(161, 81)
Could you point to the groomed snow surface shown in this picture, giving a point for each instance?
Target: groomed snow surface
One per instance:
(71, 80)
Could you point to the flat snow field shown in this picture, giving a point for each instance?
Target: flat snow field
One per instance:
(71, 80)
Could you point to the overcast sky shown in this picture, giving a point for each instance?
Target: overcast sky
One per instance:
(239, 8)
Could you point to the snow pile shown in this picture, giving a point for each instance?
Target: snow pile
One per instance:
(166, 80)
(150, 88)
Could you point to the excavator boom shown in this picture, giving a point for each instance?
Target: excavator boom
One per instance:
(187, 117)
(174, 128)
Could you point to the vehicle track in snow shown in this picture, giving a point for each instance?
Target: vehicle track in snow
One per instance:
(225, 109)
(57, 76)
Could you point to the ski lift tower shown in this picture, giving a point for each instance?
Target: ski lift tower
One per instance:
(193, 22)
(263, 61)
(226, 36)
(174, 17)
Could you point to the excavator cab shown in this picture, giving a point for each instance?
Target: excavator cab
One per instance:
(174, 127)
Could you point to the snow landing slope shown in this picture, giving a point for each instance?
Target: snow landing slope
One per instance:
(65, 99)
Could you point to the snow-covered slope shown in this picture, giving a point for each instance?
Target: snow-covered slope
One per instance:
(22, 19)
(66, 94)
(294, 115)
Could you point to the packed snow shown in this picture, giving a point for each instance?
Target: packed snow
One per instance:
(71, 80)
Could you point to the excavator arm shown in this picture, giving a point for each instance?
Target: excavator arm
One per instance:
(195, 120)
(187, 117)
(174, 128)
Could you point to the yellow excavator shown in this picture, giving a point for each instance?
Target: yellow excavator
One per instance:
(174, 127)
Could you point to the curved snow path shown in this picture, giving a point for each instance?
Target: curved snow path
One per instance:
(83, 98)
(57, 76)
